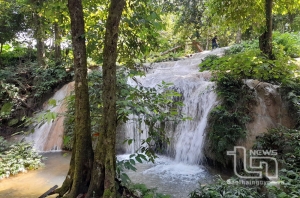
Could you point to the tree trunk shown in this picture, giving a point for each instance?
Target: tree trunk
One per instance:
(57, 40)
(38, 34)
(265, 40)
(238, 37)
(207, 43)
(79, 175)
(104, 169)
(40, 46)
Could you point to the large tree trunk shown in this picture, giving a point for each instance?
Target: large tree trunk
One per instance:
(265, 40)
(79, 175)
(104, 168)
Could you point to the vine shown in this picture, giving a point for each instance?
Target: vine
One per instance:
(227, 120)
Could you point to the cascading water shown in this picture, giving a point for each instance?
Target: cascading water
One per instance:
(179, 173)
(49, 136)
(189, 137)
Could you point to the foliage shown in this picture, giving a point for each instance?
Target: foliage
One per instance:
(47, 79)
(221, 188)
(141, 190)
(14, 54)
(252, 64)
(245, 45)
(207, 62)
(290, 91)
(24, 84)
(139, 30)
(11, 21)
(19, 158)
(290, 43)
(237, 14)
(286, 142)
(3, 145)
(227, 120)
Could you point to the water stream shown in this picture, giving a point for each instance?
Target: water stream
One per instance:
(198, 97)
(35, 183)
(49, 136)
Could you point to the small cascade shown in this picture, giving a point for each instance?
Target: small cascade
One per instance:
(132, 130)
(49, 136)
(186, 138)
(188, 135)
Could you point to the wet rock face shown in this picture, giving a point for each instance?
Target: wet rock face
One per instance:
(270, 111)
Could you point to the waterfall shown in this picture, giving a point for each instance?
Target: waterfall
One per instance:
(188, 135)
(186, 138)
(49, 136)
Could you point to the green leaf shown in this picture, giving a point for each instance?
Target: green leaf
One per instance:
(138, 159)
(52, 102)
(6, 108)
(132, 161)
(130, 141)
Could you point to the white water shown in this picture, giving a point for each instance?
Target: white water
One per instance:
(168, 176)
(186, 138)
(49, 136)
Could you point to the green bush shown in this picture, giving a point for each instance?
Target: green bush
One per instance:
(141, 190)
(238, 48)
(286, 142)
(250, 64)
(290, 91)
(221, 188)
(245, 60)
(235, 49)
(207, 62)
(14, 55)
(3, 145)
(47, 79)
(290, 43)
(227, 120)
(19, 158)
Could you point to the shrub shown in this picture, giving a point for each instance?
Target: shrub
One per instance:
(47, 79)
(227, 120)
(207, 62)
(286, 142)
(3, 145)
(251, 64)
(14, 55)
(238, 48)
(220, 188)
(289, 41)
(141, 190)
(235, 49)
(19, 158)
(290, 91)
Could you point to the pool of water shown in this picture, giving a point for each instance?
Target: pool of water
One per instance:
(35, 183)
(169, 177)
(166, 175)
